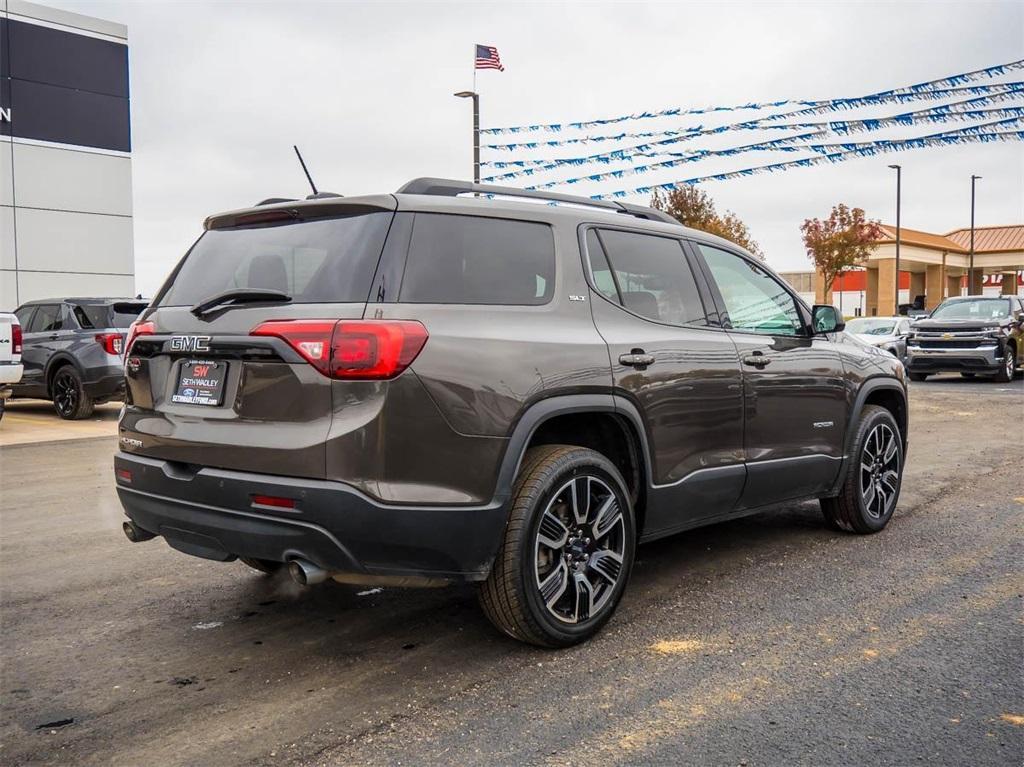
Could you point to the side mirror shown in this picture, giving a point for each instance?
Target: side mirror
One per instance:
(826, 319)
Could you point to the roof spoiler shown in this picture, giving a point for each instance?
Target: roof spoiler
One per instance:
(444, 187)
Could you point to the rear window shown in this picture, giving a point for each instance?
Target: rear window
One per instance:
(474, 260)
(126, 313)
(318, 261)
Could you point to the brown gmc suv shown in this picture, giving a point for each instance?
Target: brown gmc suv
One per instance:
(461, 382)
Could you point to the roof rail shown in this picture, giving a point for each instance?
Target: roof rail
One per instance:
(444, 187)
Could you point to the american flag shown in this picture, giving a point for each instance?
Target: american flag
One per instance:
(487, 58)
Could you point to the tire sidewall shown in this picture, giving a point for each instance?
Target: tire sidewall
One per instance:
(873, 419)
(585, 463)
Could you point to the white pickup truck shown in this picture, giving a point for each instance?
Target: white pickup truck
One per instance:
(10, 356)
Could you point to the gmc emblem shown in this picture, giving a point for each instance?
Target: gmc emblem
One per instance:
(190, 343)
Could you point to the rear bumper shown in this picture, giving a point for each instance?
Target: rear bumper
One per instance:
(10, 373)
(104, 382)
(981, 359)
(209, 513)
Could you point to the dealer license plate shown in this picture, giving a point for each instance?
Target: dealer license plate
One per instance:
(201, 382)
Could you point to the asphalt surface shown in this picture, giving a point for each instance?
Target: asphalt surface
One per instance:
(765, 641)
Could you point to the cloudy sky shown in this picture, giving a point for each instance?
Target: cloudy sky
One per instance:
(220, 92)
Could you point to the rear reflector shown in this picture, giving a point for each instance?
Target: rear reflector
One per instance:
(351, 349)
(137, 329)
(273, 500)
(112, 343)
(123, 475)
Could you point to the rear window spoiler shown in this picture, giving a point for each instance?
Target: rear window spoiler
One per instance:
(302, 210)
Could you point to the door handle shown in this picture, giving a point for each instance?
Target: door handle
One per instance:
(757, 360)
(637, 358)
(54, 337)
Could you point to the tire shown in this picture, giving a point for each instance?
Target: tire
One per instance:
(2, 403)
(1009, 366)
(263, 565)
(879, 445)
(69, 397)
(551, 585)
(967, 375)
(918, 377)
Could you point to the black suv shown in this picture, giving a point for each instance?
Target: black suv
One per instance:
(428, 387)
(976, 335)
(72, 351)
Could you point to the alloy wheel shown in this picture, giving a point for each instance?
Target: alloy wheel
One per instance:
(879, 471)
(65, 393)
(579, 549)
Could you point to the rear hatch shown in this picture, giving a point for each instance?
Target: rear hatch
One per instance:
(225, 368)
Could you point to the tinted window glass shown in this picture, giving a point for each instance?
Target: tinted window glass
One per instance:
(756, 301)
(599, 267)
(47, 319)
(974, 309)
(91, 316)
(23, 315)
(474, 260)
(126, 313)
(318, 261)
(653, 277)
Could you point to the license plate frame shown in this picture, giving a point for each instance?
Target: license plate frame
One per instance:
(200, 382)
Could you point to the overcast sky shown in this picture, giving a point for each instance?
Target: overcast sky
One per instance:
(220, 92)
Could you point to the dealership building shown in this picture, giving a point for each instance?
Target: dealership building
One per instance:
(65, 156)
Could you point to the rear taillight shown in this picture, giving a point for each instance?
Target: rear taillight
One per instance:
(16, 342)
(112, 343)
(347, 349)
(137, 329)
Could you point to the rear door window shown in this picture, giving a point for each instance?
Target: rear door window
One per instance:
(651, 277)
(474, 260)
(47, 319)
(316, 261)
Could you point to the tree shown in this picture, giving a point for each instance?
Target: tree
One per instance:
(693, 207)
(842, 240)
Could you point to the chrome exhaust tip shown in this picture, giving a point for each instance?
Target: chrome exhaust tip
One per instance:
(136, 534)
(306, 573)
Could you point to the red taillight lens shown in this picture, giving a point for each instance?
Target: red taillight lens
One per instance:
(137, 329)
(274, 501)
(16, 341)
(346, 349)
(124, 475)
(112, 343)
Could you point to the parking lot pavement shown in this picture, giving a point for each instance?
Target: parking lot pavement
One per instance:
(764, 641)
(33, 420)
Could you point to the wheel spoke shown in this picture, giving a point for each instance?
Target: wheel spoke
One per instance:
(869, 495)
(555, 584)
(581, 499)
(607, 564)
(889, 479)
(607, 518)
(890, 450)
(553, 533)
(584, 597)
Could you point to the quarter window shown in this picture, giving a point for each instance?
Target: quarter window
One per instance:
(756, 301)
(651, 276)
(476, 260)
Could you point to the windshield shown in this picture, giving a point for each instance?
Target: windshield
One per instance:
(871, 327)
(975, 309)
(318, 261)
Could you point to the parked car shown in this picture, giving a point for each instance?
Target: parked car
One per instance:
(887, 333)
(72, 351)
(423, 387)
(10, 355)
(975, 335)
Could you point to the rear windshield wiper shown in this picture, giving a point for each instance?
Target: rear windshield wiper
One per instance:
(238, 296)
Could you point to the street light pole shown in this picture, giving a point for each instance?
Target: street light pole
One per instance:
(899, 173)
(970, 270)
(476, 130)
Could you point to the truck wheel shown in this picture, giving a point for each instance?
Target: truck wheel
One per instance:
(69, 397)
(869, 492)
(918, 376)
(568, 548)
(2, 401)
(1009, 366)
